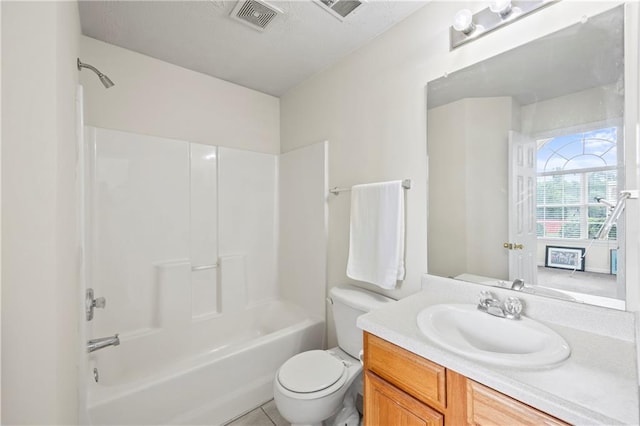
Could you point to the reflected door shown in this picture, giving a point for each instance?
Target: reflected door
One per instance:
(522, 244)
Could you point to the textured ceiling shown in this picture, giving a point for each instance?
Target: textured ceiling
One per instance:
(200, 35)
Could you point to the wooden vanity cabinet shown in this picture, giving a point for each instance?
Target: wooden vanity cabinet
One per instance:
(388, 405)
(402, 388)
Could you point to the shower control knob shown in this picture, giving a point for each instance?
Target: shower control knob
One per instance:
(100, 302)
(90, 303)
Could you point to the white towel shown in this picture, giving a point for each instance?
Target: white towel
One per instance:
(376, 240)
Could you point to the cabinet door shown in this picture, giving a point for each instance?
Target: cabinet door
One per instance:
(385, 405)
(486, 407)
(419, 377)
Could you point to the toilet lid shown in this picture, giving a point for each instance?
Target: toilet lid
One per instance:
(310, 371)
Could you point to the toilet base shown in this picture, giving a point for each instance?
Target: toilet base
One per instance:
(348, 414)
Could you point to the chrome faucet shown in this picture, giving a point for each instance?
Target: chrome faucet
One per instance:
(90, 303)
(103, 342)
(518, 284)
(510, 309)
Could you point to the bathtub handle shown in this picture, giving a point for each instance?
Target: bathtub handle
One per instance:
(90, 303)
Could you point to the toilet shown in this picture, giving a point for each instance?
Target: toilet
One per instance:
(321, 386)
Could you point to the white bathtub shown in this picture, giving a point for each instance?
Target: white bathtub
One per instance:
(207, 373)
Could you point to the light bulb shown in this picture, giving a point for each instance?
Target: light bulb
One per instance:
(501, 7)
(463, 21)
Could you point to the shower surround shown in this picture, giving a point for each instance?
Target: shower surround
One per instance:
(182, 241)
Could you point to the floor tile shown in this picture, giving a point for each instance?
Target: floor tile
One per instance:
(273, 413)
(256, 417)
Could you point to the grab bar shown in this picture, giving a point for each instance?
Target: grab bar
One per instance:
(204, 267)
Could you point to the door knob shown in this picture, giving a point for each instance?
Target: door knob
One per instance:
(513, 246)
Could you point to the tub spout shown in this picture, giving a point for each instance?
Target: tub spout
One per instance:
(103, 342)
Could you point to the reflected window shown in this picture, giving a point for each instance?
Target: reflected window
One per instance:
(572, 171)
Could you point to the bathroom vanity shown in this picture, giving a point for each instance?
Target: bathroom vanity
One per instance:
(411, 379)
(402, 385)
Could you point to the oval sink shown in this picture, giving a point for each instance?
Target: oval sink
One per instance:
(465, 330)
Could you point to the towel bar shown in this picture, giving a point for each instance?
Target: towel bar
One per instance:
(406, 184)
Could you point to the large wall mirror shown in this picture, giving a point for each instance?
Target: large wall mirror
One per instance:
(526, 164)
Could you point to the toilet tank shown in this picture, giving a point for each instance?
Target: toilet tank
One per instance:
(349, 303)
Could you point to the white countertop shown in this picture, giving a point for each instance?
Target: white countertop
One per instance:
(597, 384)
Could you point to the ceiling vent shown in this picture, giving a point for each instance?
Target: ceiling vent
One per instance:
(340, 8)
(255, 13)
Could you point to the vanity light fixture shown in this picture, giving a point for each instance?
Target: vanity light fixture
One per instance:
(463, 22)
(501, 7)
(468, 26)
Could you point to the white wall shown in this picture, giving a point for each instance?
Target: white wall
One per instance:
(372, 108)
(303, 227)
(588, 106)
(40, 294)
(156, 98)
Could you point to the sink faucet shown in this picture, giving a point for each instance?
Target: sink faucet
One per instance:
(103, 342)
(510, 309)
(518, 284)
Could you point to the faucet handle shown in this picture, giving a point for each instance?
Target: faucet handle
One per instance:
(513, 307)
(485, 297)
(100, 302)
(90, 303)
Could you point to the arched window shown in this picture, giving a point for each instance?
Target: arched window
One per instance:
(573, 170)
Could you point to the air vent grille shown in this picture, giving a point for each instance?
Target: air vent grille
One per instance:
(257, 14)
(340, 8)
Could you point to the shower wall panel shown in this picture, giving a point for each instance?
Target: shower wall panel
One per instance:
(248, 218)
(178, 232)
(204, 230)
(139, 208)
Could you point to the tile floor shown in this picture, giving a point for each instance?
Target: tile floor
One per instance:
(265, 415)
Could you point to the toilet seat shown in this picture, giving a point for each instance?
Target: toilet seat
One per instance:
(312, 374)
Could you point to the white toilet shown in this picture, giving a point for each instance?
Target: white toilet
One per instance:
(317, 386)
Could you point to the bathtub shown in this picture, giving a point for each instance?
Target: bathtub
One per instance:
(209, 372)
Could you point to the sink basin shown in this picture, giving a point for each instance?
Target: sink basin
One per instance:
(463, 329)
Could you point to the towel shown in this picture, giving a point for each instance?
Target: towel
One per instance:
(376, 239)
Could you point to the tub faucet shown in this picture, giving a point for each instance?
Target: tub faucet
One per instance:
(103, 342)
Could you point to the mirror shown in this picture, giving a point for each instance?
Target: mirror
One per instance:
(526, 164)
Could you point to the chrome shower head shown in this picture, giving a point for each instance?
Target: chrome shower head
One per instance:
(106, 81)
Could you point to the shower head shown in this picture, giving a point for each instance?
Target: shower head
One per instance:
(106, 81)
